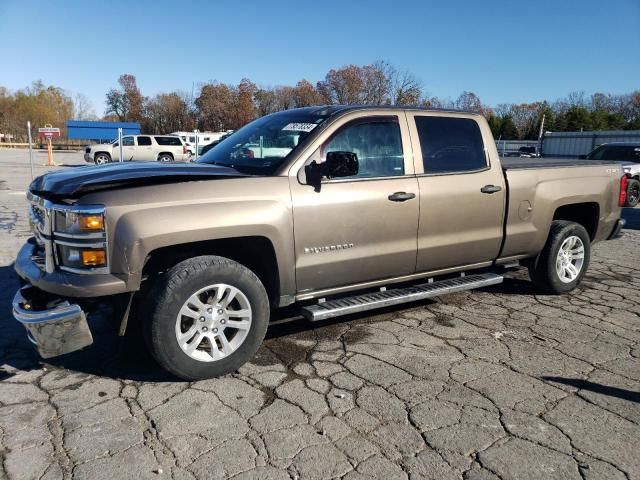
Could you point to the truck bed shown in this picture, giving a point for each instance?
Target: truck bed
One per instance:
(520, 163)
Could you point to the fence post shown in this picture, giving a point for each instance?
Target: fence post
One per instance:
(30, 148)
(120, 143)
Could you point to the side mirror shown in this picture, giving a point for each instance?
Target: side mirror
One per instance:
(582, 157)
(337, 164)
(341, 164)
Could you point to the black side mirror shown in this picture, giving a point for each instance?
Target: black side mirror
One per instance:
(338, 164)
(341, 164)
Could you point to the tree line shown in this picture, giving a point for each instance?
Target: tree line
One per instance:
(220, 106)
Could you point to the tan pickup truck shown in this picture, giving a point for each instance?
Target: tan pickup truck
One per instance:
(331, 209)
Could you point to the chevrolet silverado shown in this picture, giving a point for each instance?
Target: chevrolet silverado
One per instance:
(332, 210)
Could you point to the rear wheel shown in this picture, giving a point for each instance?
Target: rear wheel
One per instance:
(102, 158)
(564, 259)
(633, 192)
(209, 315)
(165, 157)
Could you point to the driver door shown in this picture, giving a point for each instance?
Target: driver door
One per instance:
(358, 229)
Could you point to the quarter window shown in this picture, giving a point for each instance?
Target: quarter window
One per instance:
(450, 144)
(144, 141)
(168, 141)
(376, 142)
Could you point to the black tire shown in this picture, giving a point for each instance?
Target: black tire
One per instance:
(165, 157)
(106, 158)
(543, 271)
(633, 192)
(173, 289)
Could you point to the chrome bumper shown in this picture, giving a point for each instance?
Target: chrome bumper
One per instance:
(57, 330)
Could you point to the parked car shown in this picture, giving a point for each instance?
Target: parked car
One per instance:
(206, 148)
(204, 139)
(161, 148)
(390, 205)
(629, 154)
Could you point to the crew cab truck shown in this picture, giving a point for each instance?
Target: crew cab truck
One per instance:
(347, 209)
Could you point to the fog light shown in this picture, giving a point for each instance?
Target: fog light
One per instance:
(93, 258)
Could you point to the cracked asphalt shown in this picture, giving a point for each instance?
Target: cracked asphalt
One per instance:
(498, 383)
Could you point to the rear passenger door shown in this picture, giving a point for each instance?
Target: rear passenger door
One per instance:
(462, 191)
(144, 150)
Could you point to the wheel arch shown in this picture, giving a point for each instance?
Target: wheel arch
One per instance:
(257, 253)
(586, 214)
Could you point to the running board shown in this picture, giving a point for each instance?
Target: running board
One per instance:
(370, 301)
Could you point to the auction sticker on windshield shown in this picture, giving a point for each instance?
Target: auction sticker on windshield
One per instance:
(300, 127)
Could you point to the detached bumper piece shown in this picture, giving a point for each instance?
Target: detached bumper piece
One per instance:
(55, 326)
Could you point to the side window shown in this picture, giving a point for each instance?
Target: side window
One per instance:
(144, 141)
(376, 142)
(168, 141)
(450, 144)
(127, 141)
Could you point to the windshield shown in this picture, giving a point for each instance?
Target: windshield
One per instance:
(260, 147)
(627, 153)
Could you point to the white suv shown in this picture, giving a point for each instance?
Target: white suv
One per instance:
(160, 148)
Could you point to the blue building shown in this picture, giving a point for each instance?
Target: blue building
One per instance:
(100, 131)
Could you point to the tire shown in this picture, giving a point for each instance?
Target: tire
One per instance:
(545, 271)
(203, 355)
(633, 192)
(102, 158)
(165, 157)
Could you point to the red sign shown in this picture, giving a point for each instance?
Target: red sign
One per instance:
(48, 132)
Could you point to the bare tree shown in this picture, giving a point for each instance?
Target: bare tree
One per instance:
(83, 108)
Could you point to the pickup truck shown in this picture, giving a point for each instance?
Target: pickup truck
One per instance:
(628, 153)
(368, 207)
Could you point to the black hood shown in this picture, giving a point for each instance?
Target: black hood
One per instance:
(75, 182)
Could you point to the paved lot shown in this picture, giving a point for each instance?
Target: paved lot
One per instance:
(498, 383)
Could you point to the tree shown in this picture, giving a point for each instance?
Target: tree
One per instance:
(166, 113)
(127, 102)
(83, 109)
(214, 104)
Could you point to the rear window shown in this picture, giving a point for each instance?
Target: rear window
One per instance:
(450, 144)
(170, 141)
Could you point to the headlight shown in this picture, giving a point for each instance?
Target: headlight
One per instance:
(80, 239)
(78, 223)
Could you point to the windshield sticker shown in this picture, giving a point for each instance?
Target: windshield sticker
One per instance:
(300, 127)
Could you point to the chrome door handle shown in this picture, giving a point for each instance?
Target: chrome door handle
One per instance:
(401, 196)
(490, 189)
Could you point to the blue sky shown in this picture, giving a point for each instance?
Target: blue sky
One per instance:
(505, 51)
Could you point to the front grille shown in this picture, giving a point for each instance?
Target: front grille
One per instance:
(87, 150)
(39, 220)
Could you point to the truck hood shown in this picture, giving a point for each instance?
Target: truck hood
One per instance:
(72, 183)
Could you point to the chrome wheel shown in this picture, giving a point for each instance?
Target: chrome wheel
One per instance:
(213, 322)
(102, 159)
(633, 194)
(570, 259)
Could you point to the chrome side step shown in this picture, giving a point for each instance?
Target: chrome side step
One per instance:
(370, 301)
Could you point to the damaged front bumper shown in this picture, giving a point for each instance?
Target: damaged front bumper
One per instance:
(55, 326)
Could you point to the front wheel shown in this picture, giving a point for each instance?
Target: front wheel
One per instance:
(101, 159)
(208, 316)
(564, 259)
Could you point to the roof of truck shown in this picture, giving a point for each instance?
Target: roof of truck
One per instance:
(334, 109)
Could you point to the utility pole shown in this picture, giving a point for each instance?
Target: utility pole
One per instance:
(541, 135)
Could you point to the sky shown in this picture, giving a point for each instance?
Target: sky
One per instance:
(504, 51)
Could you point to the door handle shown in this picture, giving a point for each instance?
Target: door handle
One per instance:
(490, 189)
(401, 196)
